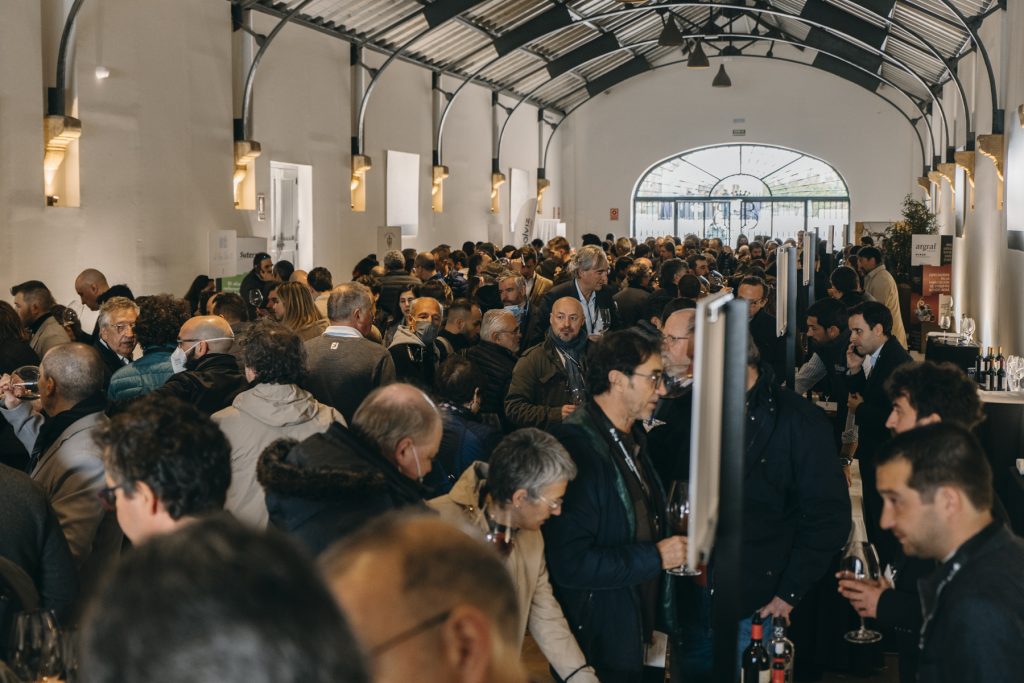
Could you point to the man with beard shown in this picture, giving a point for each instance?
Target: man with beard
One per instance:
(828, 337)
(548, 381)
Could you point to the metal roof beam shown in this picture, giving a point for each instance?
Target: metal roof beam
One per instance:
(823, 13)
(584, 53)
(543, 24)
(633, 67)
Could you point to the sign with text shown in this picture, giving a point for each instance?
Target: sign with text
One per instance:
(926, 250)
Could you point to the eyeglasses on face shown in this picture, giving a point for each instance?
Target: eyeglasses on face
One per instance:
(552, 504)
(108, 497)
(410, 633)
(655, 378)
(672, 339)
(124, 327)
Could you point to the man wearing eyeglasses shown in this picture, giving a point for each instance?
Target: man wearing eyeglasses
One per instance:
(608, 550)
(116, 333)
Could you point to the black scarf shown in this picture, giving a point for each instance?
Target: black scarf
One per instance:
(574, 350)
(54, 426)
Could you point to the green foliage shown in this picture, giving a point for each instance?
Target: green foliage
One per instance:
(917, 220)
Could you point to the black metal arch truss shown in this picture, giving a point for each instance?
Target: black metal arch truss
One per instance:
(851, 40)
(911, 122)
(57, 99)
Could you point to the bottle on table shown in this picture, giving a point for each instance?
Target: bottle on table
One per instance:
(755, 663)
(781, 644)
(986, 377)
(1000, 365)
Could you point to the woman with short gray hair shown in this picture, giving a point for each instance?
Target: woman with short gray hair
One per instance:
(506, 501)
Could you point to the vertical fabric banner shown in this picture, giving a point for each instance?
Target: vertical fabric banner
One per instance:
(931, 260)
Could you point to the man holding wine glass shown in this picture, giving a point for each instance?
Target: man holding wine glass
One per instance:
(608, 550)
(936, 485)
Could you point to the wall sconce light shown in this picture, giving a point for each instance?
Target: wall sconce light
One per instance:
(361, 165)
(965, 160)
(246, 152)
(1020, 114)
(542, 186)
(439, 175)
(992, 147)
(497, 180)
(926, 185)
(102, 73)
(58, 133)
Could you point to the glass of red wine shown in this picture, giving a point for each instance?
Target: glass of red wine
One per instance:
(678, 518)
(26, 382)
(860, 562)
(36, 650)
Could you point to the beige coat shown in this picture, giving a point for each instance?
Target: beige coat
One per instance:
(51, 333)
(538, 608)
(256, 418)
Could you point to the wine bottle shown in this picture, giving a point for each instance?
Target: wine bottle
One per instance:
(979, 366)
(986, 383)
(779, 673)
(756, 664)
(1000, 370)
(788, 651)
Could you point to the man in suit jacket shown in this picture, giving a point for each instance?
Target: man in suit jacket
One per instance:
(64, 460)
(536, 284)
(115, 336)
(871, 358)
(589, 267)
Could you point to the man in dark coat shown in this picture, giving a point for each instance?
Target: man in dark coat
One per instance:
(828, 338)
(871, 358)
(512, 290)
(589, 267)
(632, 299)
(771, 346)
(262, 272)
(332, 483)
(494, 358)
(115, 341)
(607, 551)
(207, 375)
(937, 487)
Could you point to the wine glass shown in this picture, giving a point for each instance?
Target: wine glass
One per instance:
(860, 562)
(678, 518)
(578, 396)
(969, 327)
(500, 533)
(256, 298)
(36, 651)
(944, 322)
(604, 321)
(26, 382)
(72, 314)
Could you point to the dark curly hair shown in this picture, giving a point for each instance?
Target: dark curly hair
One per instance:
(623, 350)
(937, 389)
(274, 352)
(174, 449)
(11, 327)
(160, 318)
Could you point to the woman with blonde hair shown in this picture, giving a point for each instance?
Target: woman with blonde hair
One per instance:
(292, 305)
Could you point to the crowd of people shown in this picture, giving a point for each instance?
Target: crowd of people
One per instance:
(399, 476)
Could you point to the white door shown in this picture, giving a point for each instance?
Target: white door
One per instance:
(284, 207)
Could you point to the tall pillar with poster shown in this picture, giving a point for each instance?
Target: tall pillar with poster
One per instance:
(931, 306)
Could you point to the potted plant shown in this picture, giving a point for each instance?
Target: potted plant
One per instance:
(917, 220)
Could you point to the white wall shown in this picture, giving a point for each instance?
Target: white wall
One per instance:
(156, 149)
(616, 137)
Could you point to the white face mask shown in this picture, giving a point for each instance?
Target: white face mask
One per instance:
(179, 358)
(416, 459)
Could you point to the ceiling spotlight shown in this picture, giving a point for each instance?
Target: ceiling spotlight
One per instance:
(670, 36)
(697, 58)
(722, 79)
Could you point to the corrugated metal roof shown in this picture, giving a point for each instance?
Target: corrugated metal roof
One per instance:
(471, 45)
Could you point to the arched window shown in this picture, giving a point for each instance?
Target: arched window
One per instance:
(725, 190)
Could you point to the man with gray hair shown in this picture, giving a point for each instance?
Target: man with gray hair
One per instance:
(589, 268)
(394, 281)
(506, 500)
(63, 458)
(512, 290)
(344, 366)
(115, 338)
(333, 483)
(206, 374)
(494, 358)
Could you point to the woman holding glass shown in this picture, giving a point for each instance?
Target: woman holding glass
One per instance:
(507, 501)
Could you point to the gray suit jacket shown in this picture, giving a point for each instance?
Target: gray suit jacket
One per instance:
(71, 473)
(49, 334)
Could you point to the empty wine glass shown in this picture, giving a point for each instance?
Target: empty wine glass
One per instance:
(499, 530)
(678, 518)
(577, 395)
(26, 382)
(860, 562)
(945, 320)
(969, 327)
(72, 314)
(256, 298)
(604, 321)
(36, 651)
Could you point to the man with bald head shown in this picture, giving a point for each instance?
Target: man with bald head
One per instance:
(334, 482)
(414, 348)
(548, 381)
(92, 288)
(63, 458)
(449, 589)
(206, 374)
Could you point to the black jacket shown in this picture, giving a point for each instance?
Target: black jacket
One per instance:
(595, 563)
(796, 507)
(495, 364)
(110, 359)
(771, 346)
(669, 443)
(973, 608)
(116, 290)
(604, 299)
(330, 485)
(632, 303)
(250, 282)
(391, 285)
(211, 386)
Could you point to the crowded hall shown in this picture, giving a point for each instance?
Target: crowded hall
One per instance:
(511, 341)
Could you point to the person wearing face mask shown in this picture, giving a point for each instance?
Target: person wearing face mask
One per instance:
(414, 348)
(333, 483)
(206, 374)
(548, 380)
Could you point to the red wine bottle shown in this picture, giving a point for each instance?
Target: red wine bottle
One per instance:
(756, 664)
(779, 664)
